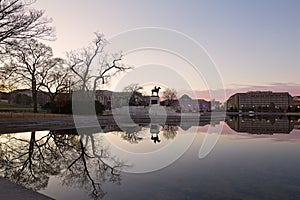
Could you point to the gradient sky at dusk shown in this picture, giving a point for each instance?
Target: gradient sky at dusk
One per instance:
(255, 44)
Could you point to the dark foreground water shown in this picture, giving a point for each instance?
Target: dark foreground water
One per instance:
(254, 158)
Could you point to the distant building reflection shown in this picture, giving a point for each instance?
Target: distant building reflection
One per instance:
(262, 124)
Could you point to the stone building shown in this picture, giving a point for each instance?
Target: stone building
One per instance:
(187, 104)
(24, 97)
(104, 97)
(260, 100)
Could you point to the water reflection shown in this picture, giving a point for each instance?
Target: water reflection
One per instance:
(131, 135)
(84, 162)
(169, 131)
(137, 133)
(263, 124)
(30, 160)
(154, 130)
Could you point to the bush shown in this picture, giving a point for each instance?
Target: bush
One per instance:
(67, 108)
(99, 107)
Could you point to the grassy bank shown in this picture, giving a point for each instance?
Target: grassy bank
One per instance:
(30, 115)
(8, 110)
(23, 111)
(14, 107)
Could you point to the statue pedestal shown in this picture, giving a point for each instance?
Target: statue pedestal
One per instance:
(156, 112)
(154, 100)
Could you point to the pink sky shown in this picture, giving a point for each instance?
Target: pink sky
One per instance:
(255, 45)
(292, 88)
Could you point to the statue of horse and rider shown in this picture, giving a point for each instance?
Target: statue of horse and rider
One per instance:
(155, 90)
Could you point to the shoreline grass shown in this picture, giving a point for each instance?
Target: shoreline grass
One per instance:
(12, 115)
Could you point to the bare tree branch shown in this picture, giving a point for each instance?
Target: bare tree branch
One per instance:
(18, 22)
(92, 64)
(31, 62)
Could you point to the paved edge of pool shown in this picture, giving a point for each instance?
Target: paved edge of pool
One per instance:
(11, 190)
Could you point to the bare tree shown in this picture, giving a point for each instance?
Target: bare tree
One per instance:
(59, 81)
(30, 63)
(18, 21)
(134, 87)
(136, 97)
(170, 95)
(92, 64)
(6, 83)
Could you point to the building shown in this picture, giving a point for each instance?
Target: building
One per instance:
(119, 99)
(187, 104)
(24, 97)
(104, 97)
(259, 101)
(4, 97)
(296, 101)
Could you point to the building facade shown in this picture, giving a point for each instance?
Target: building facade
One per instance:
(24, 97)
(260, 100)
(187, 104)
(104, 97)
(4, 97)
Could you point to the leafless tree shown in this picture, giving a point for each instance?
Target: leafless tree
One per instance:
(170, 95)
(59, 81)
(6, 83)
(134, 87)
(18, 21)
(30, 63)
(136, 97)
(92, 64)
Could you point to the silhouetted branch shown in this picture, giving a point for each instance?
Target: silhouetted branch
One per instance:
(18, 22)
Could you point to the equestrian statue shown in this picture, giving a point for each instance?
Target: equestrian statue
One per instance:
(155, 90)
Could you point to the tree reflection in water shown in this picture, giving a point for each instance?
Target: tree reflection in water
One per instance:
(30, 161)
(134, 134)
(169, 131)
(130, 134)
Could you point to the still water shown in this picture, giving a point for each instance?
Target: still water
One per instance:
(254, 158)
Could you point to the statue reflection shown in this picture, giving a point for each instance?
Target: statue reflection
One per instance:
(31, 160)
(154, 130)
(135, 134)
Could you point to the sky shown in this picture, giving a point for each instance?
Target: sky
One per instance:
(255, 45)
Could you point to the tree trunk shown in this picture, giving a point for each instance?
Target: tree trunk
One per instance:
(53, 104)
(34, 95)
(31, 145)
